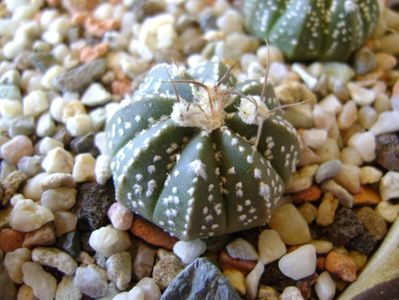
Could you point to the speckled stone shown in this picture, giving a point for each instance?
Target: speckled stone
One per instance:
(387, 151)
(345, 227)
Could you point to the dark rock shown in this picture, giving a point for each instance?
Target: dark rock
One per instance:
(62, 135)
(84, 144)
(144, 260)
(22, 126)
(92, 204)
(216, 244)
(272, 276)
(9, 91)
(364, 243)
(78, 78)
(84, 238)
(42, 60)
(70, 243)
(200, 280)
(250, 235)
(305, 286)
(387, 151)
(208, 22)
(345, 227)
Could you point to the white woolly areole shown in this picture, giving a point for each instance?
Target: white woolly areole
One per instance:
(253, 110)
(198, 168)
(350, 6)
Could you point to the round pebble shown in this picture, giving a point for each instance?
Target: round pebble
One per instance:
(299, 263)
(120, 216)
(108, 240)
(188, 251)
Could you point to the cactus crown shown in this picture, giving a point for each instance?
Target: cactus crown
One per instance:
(188, 154)
(313, 29)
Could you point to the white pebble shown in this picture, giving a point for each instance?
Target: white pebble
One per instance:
(10, 108)
(361, 95)
(83, 168)
(48, 78)
(33, 187)
(389, 186)
(349, 155)
(150, 288)
(188, 251)
(299, 263)
(230, 21)
(314, 138)
(57, 199)
(265, 52)
(367, 116)
(369, 174)
(252, 281)
(102, 169)
(35, 103)
(120, 216)
(45, 125)
(325, 286)
(57, 107)
(270, 246)
(98, 117)
(387, 122)
(108, 240)
(13, 262)
(136, 293)
(331, 104)
(365, 144)
(79, 125)
(95, 95)
(100, 141)
(55, 258)
(64, 222)
(387, 210)
(291, 293)
(47, 144)
(58, 160)
(27, 216)
(348, 115)
(42, 283)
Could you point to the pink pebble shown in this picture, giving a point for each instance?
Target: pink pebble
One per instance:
(120, 216)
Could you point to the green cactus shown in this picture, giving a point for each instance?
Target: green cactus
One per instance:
(199, 156)
(310, 30)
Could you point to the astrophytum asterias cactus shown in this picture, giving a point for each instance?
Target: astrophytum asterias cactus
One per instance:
(199, 156)
(312, 29)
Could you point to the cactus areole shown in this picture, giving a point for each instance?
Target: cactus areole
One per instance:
(313, 29)
(188, 154)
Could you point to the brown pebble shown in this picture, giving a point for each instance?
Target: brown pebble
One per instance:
(227, 262)
(373, 222)
(308, 211)
(151, 233)
(10, 239)
(88, 54)
(341, 266)
(98, 28)
(366, 196)
(79, 5)
(121, 87)
(321, 263)
(25, 292)
(326, 211)
(11, 185)
(44, 236)
(310, 194)
(13, 150)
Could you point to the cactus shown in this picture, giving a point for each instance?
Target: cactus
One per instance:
(310, 30)
(198, 155)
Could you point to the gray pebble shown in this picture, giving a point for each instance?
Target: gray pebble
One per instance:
(91, 281)
(8, 91)
(78, 78)
(143, 261)
(42, 61)
(241, 249)
(22, 126)
(344, 197)
(166, 269)
(327, 170)
(11, 77)
(30, 165)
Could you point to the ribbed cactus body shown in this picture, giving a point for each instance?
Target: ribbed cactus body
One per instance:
(189, 165)
(313, 29)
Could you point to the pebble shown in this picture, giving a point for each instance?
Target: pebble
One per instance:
(55, 258)
(10, 91)
(120, 216)
(291, 293)
(13, 262)
(365, 144)
(93, 203)
(95, 95)
(370, 175)
(83, 168)
(387, 122)
(66, 290)
(166, 269)
(328, 151)
(64, 222)
(299, 263)
(188, 251)
(42, 283)
(43, 236)
(365, 61)
(308, 211)
(58, 160)
(25, 293)
(30, 165)
(345, 227)
(47, 144)
(108, 240)
(236, 279)
(270, 246)
(241, 249)
(71, 109)
(314, 137)
(349, 155)
(360, 95)
(71, 243)
(11, 184)
(10, 108)
(119, 269)
(59, 199)
(367, 116)
(372, 222)
(252, 281)
(28, 216)
(345, 198)
(91, 281)
(102, 169)
(150, 288)
(388, 211)
(348, 116)
(78, 78)
(322, 247)
(325, 286)
(331, 105)
(35, 103)
(57, 180)
(84, 144)
(21, 126)
(302, 179)
(341, 266)
(78, 125)
(290, 225)
(328, 169)
(326, 211)
(144, 260)
(389, 186)
(349, 178)
(10, 239)
(13, 150)
(360, 259)
(135, 293)
(387, 151)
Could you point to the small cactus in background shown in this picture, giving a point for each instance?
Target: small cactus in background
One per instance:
(199, 156)
(310, 30)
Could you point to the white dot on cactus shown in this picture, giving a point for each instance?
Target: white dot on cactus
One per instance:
(264, 190)
(252, 210)
(242, 217)
(250, 159)
(257, 173)
(241, 149)
(231, 171)
(239, 207)
(210, 198)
